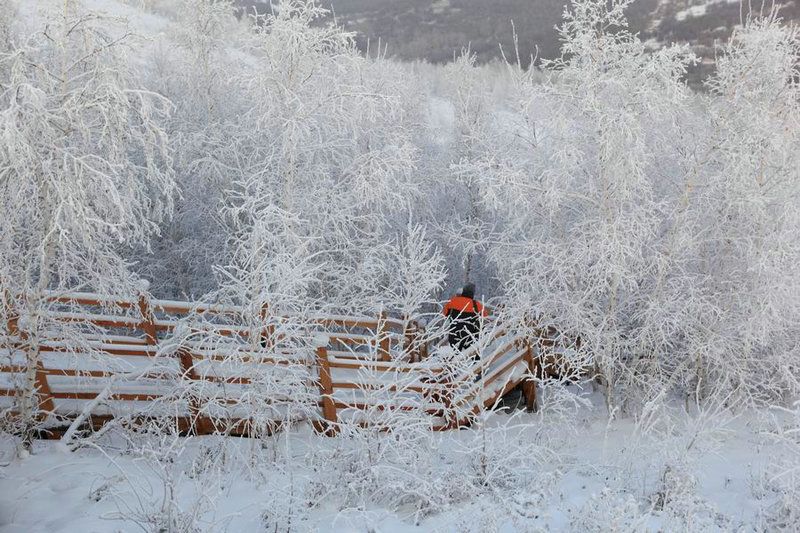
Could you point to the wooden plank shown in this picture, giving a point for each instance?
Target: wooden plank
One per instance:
(89, 298)
(244, 359)
(529, 384)
(497, 355)
(367, 366)
(505, 390)
(148, 322)
(326, 390)
(228, 380)
(108, 322)
(60, 372)
(363, 406)
(267, 339)
(90, 302)
(81, 316)
(201, 424)
(104, 374)
(374, 387)
(371, 324)
(383, 339)
(104, 350)
(376, 366)
(352, 338)
(476, 347)
(352, 355)
(128, 397)
(225, 330)
(133, 341)
(496, 375)
(185, 308)
(465, 421)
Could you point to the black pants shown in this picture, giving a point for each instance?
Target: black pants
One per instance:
(463, 332)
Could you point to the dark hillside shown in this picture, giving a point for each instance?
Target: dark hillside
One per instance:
(435, 30)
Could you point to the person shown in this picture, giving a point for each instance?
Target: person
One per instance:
(464, 312)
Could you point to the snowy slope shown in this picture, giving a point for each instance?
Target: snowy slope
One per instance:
(144, 22)
(606, 471)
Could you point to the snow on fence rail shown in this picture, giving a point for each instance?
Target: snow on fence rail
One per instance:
(126, 361)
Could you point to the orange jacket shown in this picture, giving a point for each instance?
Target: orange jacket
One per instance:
(463, 305)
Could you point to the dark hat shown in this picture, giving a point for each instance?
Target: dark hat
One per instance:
(468, 291)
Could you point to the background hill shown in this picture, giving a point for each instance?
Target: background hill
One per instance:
(436, 29)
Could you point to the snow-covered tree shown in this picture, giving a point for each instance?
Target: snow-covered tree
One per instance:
(325, 140)
(580, 206)
(202, 32)
(750, 250)
(84, 168)
(8, 14)
(462, 217)
(192, 66)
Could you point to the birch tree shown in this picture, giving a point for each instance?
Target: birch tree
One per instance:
(84, 168)
(326, 140)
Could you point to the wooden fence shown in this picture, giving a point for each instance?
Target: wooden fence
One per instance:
(131, 353)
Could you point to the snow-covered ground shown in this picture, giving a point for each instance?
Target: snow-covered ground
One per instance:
(708, 471)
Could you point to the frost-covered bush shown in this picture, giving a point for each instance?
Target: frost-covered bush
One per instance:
(163, 490)
(677, 503)
(610, 511)
(192, 65)
(317, 143)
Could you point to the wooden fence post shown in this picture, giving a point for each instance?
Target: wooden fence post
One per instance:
(383, 338)
(201, 425)
(411, 340)
(198, 423)
(326, 390)
(43, 390)
(529, 385)
(423, 348)
(268, 333)
(43, 386)
(148, 321)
